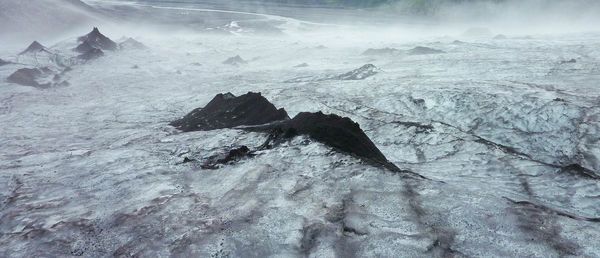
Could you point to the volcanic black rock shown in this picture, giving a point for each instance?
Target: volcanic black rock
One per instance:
(361, 73)
(29, 77)
(91, 54)
(236, 60)
(227, 111)
(97, 40)
(380, 51)
(338, 132)
(234, 155)
(424, 51)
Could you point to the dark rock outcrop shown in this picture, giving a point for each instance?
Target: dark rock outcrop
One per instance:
(302, 65)
(227, 111)
(93, 53)
(338, 132)
(361, 73)
(33, 48)
(235, 61)
(96, 40)
(424, 51)
(29, 77)
(234, 155)
(380, 51)
(259, 115)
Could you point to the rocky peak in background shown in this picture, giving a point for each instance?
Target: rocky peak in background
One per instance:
(96, 39)
(33, 48)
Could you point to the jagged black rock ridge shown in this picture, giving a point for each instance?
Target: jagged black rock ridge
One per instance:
(93, 53)
(33, 48)
(97, 40)
(424, 51)
(338, 132)
(380, 51)
(236, 60)
(29, 77)
(131, 43)
(227, 111)
(259, 115)
(361, 73)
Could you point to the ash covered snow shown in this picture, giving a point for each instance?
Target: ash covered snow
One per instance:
(502, 137)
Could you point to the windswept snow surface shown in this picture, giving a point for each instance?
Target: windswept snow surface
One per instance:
(506, 134)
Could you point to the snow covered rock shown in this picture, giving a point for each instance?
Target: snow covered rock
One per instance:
(95, 39)
(380, 51)
(235, 61)
(131, 43)
(424, 51)
(34, 47)
(30, 77)
(227, 111)
(361, 73)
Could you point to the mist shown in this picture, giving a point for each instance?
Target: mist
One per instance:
(299, 128)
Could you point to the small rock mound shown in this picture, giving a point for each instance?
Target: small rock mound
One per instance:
(572, 61)
(424, 51)
(33, 48)
(227, 111)
(30, 76)
(361, 73)
(131, 43)
(500, 36)
(234, 155)
(93, 53)
(235, 61)
(95, 39)
(301, 65)
(380, 51)
(2, 62)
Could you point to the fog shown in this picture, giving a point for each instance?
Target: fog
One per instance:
(444, 129)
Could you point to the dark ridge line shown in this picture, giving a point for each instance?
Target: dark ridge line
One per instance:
(555, 211)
